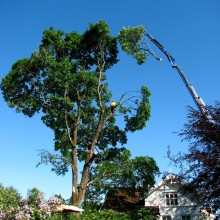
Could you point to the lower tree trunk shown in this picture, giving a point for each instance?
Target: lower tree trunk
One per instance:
(78, 193)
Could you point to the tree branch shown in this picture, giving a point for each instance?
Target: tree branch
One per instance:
(66, 120)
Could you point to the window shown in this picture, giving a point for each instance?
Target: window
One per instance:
(168, 217)
(186, 217)
(171, 199)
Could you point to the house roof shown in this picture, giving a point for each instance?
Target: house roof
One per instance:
(121, 199)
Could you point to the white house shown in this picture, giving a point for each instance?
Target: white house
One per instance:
(171, 203)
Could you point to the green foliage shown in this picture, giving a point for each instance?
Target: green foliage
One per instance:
(120, 172)
(140, 214)
(145, 170)
(138, 121)
(144, 214)
(63, 216)
(103, 214)
(65, 80)
(9, 197)
(98, 47)
(104, 175)
(130, 40)
(33, 196)
(138, 174)
(93, 214)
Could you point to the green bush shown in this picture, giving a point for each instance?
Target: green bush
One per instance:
(103, 215)
(9, 196)
(143, 214)
(9, 199)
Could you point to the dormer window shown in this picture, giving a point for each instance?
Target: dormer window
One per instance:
(171, 199)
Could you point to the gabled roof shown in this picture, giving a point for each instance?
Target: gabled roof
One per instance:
(172, 184)
(169, 179)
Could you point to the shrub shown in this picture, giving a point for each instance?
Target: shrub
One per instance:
(9, 199)
(105, 214)
(35, 207)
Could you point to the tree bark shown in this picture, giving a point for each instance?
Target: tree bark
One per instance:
(79, 195)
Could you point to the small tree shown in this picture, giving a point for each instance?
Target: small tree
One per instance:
(200, 165)
(65, 81)
(134, 175)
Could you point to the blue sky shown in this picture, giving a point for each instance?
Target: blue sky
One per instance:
(190, 32)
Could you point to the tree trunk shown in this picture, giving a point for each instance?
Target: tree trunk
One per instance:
(79, 195)
(74, 178)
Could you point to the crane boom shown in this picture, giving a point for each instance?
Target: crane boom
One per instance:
(197, 99)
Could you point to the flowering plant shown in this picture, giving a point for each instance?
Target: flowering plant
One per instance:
(35, 207)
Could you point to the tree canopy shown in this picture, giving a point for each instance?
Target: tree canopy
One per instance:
(200, 165)
(65, 81)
